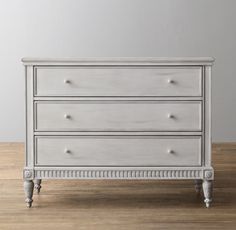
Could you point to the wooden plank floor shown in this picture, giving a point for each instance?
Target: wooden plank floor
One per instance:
(117, 204)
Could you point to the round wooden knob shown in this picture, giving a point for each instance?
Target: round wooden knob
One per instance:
(66, 81)
(67, 151)
(170, 151)
(67, 116)
(170, 115)
(170, 81)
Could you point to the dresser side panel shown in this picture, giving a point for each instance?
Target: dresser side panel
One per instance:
(29, 117)
(207, 115)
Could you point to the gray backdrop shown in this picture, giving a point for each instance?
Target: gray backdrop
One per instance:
(109, 28)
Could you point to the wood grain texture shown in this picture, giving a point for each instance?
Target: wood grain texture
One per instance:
(120, 204)
(128, 61)
(118, 116)
(118, 81)
(29, 115)
(118, 151)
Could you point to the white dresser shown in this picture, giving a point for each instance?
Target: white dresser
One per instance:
(119, 118)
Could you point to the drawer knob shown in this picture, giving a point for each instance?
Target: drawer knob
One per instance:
(170, 151)
(67, 116)
(66, 81)
(171, 116)
(67, 151)
(170, 81)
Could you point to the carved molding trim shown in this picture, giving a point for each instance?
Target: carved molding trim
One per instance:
(28, 174)
(209, 174)
(119, 174)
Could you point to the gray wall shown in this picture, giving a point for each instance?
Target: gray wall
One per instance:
(137, 28)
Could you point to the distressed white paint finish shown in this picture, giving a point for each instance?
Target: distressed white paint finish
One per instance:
(118, 81)
(124, 172)
(123, 61)
(29, 115)
(118, 127)
(207, 112)
(37, 185)
(207, 186)
(120, 98)
(118, 116)
(29, 189)
(118, 151)
(118, 133)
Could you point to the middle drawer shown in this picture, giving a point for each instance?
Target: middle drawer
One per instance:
(118, 116)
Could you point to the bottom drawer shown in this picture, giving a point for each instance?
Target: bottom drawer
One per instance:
(118, 151)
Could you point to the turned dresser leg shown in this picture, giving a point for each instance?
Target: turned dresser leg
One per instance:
(37, 185)
(198, 186)
(207, 190)
(29, 188)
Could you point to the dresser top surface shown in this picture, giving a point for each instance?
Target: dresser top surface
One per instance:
(126, 61)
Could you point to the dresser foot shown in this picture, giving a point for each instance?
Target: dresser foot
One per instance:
(207, 190)
(28, 188)
(37, 185)
(198, 186)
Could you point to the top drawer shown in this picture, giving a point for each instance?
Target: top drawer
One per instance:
(118, 81)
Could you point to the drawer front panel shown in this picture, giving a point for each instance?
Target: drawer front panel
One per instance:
(118, 116)
(94, 81)
(118, 151)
